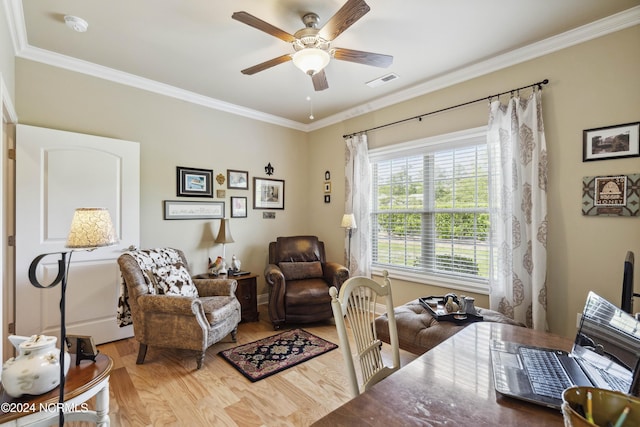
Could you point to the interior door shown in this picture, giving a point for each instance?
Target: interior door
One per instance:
(57, 172)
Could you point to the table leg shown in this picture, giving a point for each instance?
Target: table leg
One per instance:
(102, 407)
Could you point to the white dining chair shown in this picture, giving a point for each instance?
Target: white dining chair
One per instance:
(357, 302)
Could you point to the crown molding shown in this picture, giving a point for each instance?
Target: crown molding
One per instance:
(602, 27)
(613, 23)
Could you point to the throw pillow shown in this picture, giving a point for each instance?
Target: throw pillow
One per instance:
(301, 270)
(174, 279)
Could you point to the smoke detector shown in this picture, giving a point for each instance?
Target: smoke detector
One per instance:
(76, 24)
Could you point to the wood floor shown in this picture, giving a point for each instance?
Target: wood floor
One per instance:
(167, 390)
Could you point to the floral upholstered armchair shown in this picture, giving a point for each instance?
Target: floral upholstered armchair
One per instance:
(170, 309)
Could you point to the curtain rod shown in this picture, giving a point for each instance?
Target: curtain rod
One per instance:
(419, 117)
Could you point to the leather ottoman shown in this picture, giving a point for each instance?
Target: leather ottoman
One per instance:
(418, 331)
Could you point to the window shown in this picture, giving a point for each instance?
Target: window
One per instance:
(430, 208)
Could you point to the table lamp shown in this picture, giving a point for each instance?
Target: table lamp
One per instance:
(91, 228)
(224, 237)
(349, 222)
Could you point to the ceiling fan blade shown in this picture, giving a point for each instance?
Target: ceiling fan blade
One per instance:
(320, 81)
(267, 64)
(261, 25)
(349, 13)
(367, 58)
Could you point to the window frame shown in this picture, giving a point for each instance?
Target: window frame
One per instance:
(420, 147)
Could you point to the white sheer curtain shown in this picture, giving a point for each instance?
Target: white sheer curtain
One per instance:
(358, 191)
(518, 192)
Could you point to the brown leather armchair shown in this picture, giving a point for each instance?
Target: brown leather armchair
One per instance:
(299, 278)
(170, 309)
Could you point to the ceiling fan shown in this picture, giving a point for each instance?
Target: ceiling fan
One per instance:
(312, 46)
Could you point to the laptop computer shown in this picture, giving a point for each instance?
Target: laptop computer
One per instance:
(605, 354)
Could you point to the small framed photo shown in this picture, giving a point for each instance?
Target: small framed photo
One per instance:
(327, 198)
(327, 187)
(611, 142)
(268, 193)
(194, 182)
(179, 209)
(237, 179)
(238, 207)
(221, 194)
(610, 191)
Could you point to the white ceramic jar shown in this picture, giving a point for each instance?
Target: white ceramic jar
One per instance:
(36, 369)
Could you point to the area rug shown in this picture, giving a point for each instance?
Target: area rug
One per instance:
(268, 356)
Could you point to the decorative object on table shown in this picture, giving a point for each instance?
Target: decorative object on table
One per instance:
(349, 223)
(235, 263)
(237, 179)
(435, 305)
(83, 347)
(36, 368)
(91, 228)
(469, 305)
(238, 207)
(268, 193)
(224, 237)
(260, 359)
(194, 182)
(268, 169)
(451, 306)
(221, 194)
(179, 209)
(215, 266)
(617, 195)
(611, 142)
(220, 179)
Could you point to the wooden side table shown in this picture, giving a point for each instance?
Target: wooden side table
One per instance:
(247, 294)
(82, 383)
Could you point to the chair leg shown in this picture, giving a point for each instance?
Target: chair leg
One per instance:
(142, 352)
(200, 360)
(234, 334)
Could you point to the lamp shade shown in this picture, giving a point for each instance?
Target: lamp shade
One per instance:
(311, 60)
(348, 221)
(224, 234)
(91, 228)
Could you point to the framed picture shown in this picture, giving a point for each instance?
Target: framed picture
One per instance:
(237, 179)
(327, 187)
(268, 193)
(178, 209)
(194, 182)
(612, 142)
(616, 195)
(238, 207)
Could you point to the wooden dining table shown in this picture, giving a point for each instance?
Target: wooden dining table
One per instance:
(451, 384)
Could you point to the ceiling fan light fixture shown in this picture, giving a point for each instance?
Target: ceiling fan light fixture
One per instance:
(311, 60)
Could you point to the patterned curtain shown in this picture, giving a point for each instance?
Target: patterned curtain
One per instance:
(357, 193)
(518, 203)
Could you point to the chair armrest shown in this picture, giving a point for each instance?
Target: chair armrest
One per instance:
(335, 274)
(215, 287)
(166, 304)
(277, 285)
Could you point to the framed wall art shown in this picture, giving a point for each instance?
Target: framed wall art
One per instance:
(611, 142)
(179, 209)
(616, 195)
(237, 179)
(194, 182)
(238, 207)
(268, 193)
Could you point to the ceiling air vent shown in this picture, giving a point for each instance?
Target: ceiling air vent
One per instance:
(383, 80)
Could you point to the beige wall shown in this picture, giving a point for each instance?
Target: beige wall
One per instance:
(175, 133)
(7, 61)
(593, 84)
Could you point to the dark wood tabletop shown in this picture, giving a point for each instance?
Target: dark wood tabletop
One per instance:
(452, 384)
(79, 379)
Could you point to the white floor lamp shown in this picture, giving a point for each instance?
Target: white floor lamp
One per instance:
(349, 222)
(91, 228)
